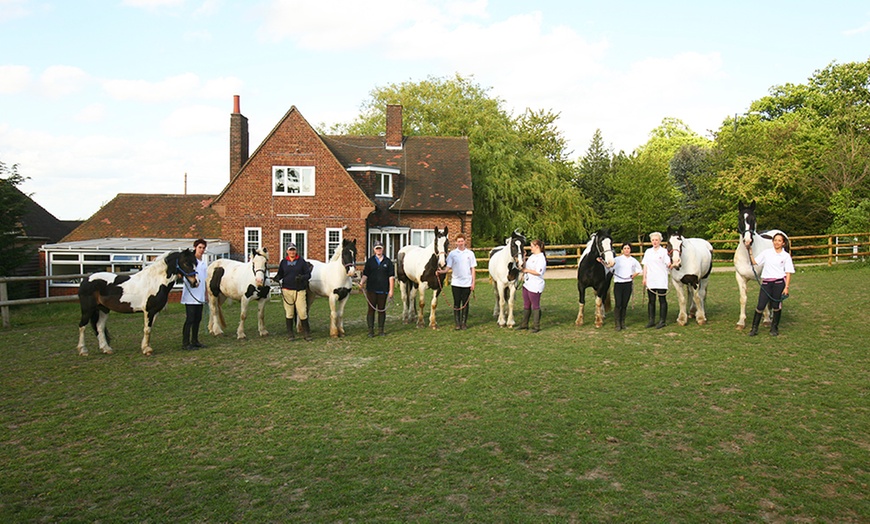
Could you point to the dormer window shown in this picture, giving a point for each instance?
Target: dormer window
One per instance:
(293, 180)
(384, 184)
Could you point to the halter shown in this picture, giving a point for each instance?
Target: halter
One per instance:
(183, 272)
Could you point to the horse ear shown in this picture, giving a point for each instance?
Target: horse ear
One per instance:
(445, 231)
(680, 231)
(752, 206)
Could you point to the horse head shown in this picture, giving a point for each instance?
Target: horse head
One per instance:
(746, 222)
(604, 243)
(517, 242)
(185, 266)
(348, 256)
(675, 246)
(259, 258)
(441, 245)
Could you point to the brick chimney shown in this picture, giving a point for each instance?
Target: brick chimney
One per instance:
(393, 138)
(238, 139)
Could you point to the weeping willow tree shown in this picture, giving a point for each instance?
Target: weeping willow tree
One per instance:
(520, 173)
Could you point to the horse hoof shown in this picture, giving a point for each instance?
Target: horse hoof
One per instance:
(264, 333)
(83, 352)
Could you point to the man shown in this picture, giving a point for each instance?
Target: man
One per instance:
(294, 274)
(193, 299)
(378, 281)
(461, 261)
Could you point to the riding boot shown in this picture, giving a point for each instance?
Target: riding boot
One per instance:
(291, 327)
(756, 320)
(370, 320)
(306, 330)
(536, 320)
(617, 319)
(622, 318)
(457, 319)
(463, 317)
(663, 314)
(527, 313)
(651, 311)
(774, 323)
(185, 337)
(382, 319)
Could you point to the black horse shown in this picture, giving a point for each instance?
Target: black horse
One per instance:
(592, 273)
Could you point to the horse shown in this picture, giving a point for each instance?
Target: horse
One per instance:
(592, 273)
(242, 281)
(334, 281)
(691, 265)
(416, 270)
(505, 264)
(146, 291)
(744, 270)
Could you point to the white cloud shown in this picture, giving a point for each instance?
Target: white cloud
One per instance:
(91, 113)
(221, 88)
(858, 30)
(207, 8)
(14, 79)
(57, 81)
(152, 4)
(195, 120)
(12, 9)
(172, 88)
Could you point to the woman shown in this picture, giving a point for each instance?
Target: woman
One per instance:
(193, 299)
(294, 274)
(775, 278)
(533, 286)
(625, 268)
(378, 280)
(656, 265)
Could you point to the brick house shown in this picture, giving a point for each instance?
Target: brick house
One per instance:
(311, 189)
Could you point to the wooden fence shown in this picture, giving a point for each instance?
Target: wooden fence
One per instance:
(810, 249)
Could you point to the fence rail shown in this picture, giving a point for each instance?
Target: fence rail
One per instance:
(855, 245)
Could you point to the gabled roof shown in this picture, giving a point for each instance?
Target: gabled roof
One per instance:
(152, 216)
(38, 223)
(437, 170)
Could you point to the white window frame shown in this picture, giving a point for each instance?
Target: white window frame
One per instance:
(305, 185)
(331, 245)
(385, 184)
(427, 236)
(292, 235)
(253, 243)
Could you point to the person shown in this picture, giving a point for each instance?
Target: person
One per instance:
(378, 280)
(656, 265)
(294, 274)
(461, 261)
(193, 299)
(533, 286)
(775, 278)
(625, 268)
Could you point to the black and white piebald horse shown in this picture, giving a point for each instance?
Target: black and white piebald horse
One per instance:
(146, 291)
(505, 264)
(334, 281)
(242, 281)
(691, 264)
(416, 270)
(744, 271)
(591, 272)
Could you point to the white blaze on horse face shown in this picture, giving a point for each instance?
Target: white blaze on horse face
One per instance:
(608, 252)
(519, 259)
(676, 244)
(260, 269)
(747, 230)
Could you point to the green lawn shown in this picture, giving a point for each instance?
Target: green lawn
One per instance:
(573, 424)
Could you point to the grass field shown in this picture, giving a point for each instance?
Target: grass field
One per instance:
(573, 424)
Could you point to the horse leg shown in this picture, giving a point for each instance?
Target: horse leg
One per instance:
(333, 316)
(495, 306)
(215, 315)
(579, 321)
(406, 301)
(432, 306)
(146, 335)
(339, 308)
(261, 316)
(243, 315)
(599, 311)
(81, 347)
(102, 337)
(680, 289)
(700, 299)
(741, 289)
(512, 290)
(420, 304)
(500, 302)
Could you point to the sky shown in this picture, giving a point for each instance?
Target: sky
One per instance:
(134, 96)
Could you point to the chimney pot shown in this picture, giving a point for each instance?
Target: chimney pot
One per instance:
(236, 104)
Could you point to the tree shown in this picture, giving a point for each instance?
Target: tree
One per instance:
(592, 173)
(13, 204)
(519, 170)
(643, 199)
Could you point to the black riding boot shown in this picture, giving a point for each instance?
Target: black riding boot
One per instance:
(617, 319)
(370, 320)
(663, 315)
(382, 319)
(774, 323)
(536, 320)
(756, 320)
(463, 316)
(291, 327)
(622, 318)
(527, 314)
(457, 318)
(306, 330)
(651, 311)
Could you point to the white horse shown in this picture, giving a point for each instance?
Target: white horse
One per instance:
(334, 281)
(416, 270)
(744, 270)
(242, 281)
(505, 264)
(691, 265)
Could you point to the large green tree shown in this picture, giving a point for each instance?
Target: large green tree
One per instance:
(519, 167)
(593, 170)
(13, 204)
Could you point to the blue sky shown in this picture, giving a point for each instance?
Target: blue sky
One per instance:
(105, 97)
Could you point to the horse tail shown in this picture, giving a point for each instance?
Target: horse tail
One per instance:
(607, 306)
(507, 292)
(400, 267)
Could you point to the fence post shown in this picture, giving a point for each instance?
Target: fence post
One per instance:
(830, 251)
(4, 311)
